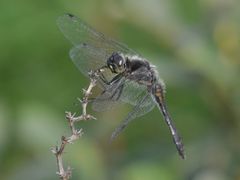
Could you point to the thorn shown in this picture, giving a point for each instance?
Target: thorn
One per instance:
(84, 91)
(80, 100)
(54, 149)
(88, 116)
(80, 132)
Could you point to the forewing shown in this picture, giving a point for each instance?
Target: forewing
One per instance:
(79, 32)
(87, 57)
(92, 48)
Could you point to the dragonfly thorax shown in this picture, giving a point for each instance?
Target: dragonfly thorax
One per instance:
(116, 63)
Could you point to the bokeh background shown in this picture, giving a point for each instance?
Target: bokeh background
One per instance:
(194, 44)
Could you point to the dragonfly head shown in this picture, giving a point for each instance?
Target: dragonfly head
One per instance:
(116, 63)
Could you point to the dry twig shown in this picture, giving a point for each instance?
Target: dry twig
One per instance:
(75, 133)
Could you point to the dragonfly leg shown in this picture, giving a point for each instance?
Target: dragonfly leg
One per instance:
(101, 75)
(120, 91)
(117, 92)
(104, 79)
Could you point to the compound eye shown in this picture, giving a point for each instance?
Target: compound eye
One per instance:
(120, 62)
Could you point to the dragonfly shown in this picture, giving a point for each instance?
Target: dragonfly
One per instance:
(124, 75)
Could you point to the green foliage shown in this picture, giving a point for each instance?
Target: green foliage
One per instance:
(194, 44)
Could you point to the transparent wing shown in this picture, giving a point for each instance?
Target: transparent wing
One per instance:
(109, 97)
(92, 48)
(122, 91)
(79, 32)
(144, 105)
(87, 57)
(132, 91)
(91, 51)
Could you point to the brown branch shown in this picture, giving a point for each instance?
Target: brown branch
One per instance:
(75, 133)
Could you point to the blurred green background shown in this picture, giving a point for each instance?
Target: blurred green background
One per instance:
(194, 44)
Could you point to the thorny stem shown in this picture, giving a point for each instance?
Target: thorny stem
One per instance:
(75, 133)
